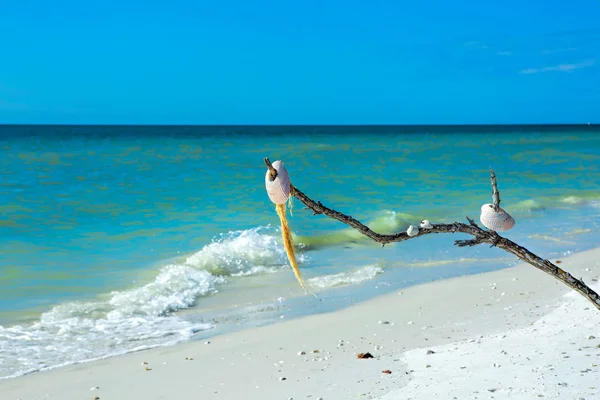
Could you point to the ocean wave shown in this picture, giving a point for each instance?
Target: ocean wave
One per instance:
(242, 253)
(387, 222)
(125, 321)
(346, 278)
(527, 206)
(544, 203)
(141, 317)
(442, 262)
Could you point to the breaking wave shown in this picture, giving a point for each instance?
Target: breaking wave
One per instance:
(141, 317)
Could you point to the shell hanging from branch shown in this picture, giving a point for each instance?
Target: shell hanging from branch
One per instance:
(278, 187)
(492, 216)
(425, 224)
(412, 230)
(496, 221)
(277, 182)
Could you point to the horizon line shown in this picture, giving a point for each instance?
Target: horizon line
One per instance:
(300, 125)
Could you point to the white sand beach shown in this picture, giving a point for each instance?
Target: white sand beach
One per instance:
(515, 333)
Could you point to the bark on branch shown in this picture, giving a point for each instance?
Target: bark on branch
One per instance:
(480, 236)
(495, 192)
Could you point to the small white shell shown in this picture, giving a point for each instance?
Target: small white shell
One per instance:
(495, 221)
(278, 189)
(425, 224)
(412, 230)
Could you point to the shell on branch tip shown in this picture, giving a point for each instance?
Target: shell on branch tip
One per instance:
(425, 224)
(278, 189)
(496, 221)
(412, 230)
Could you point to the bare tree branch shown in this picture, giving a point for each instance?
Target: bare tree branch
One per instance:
(480, 236)
(272, 170)
(495, 191)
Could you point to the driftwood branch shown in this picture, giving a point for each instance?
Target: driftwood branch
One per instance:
(272, 170)
(480, 236)
(495, 192)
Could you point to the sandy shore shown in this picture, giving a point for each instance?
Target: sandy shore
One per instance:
(507, 334)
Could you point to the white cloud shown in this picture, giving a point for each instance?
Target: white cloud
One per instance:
(559, 68)
(546, 52)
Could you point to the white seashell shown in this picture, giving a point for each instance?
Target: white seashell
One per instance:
(425, 224)
(412, 230)
(278, 189)
(495, 221)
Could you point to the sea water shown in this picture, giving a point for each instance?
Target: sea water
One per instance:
(116, 239)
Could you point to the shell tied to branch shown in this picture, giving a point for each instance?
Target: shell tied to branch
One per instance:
(496, 221)
(278, 189)
(412, 230)
(425, 224)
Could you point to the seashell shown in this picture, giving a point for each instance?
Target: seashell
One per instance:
(412, 230)
(279, 188)
(425, 224)
(495, 221)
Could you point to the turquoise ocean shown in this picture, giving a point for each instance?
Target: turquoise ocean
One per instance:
(116, 239)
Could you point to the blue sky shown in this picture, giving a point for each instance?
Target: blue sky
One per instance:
(299, 62)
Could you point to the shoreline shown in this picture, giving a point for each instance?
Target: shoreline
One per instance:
(177, 295)
(249, 363)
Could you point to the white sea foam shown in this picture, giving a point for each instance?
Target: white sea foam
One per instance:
(573, 200)
(125, 321)
(141, 317)
(346, 278)
(242, 253)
